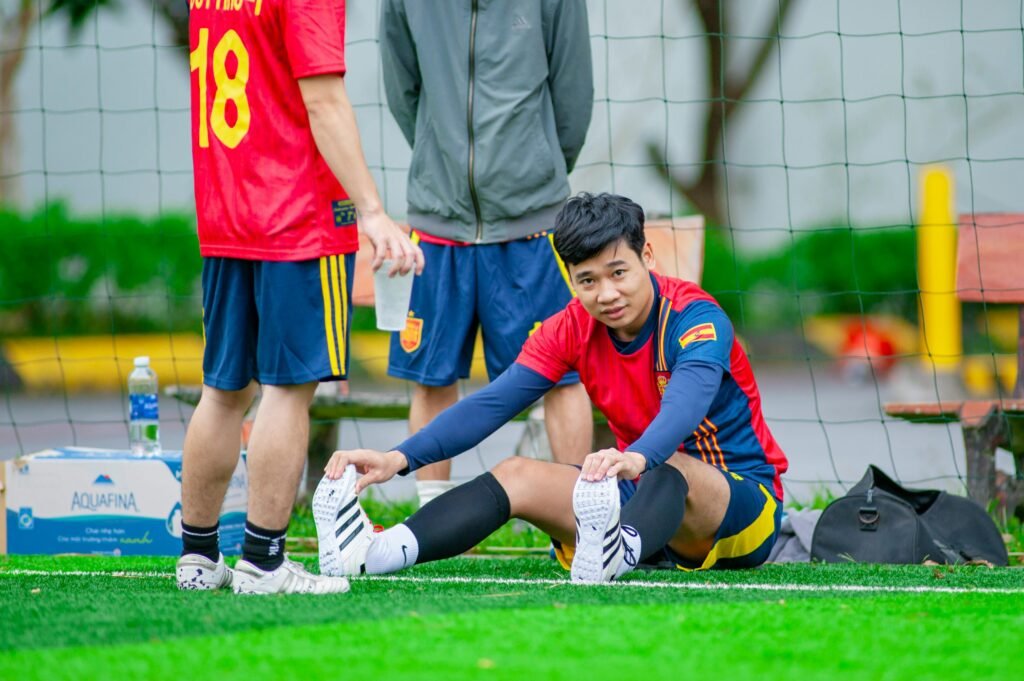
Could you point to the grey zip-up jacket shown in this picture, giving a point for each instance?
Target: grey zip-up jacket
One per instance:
(495, 97)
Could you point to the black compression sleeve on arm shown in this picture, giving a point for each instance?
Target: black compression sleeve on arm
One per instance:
(684, 405)
(459, 519)
(468, 421)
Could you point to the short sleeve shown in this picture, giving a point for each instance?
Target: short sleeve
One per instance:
(314, 36)
(702, 332)
(552, 350)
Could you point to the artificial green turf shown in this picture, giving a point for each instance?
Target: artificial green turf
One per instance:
(62, 626)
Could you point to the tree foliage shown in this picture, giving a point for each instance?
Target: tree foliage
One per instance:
(78, 12)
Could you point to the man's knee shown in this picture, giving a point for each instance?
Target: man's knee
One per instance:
(526, 483)
(512, 469)
(519, 475)
(433, 393)
(562, 394)
(232, 400)
(302, 393)
(696, 471)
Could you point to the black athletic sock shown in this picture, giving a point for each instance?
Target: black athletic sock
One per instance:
(656, 509)
(204, 541)
(459, 519)
(262, 547)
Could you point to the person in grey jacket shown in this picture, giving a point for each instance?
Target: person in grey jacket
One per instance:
(495, 99)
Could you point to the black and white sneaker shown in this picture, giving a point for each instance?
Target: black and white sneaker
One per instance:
(198, 573)
(343, 530)
(599, 546)
(289, 578)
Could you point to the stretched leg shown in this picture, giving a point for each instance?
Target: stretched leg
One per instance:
(569, 421)
(536, 491)
(427, 402)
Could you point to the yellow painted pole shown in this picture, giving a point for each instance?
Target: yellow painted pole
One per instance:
(940, 312)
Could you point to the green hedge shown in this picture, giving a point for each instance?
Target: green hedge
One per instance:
(829, 270)
(65, 275)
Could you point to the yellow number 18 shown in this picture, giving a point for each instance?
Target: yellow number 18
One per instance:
(226, 88)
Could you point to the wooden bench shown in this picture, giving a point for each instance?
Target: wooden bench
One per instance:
(990, 258)
(678, 251)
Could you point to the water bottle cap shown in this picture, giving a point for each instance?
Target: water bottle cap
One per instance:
(142, 361)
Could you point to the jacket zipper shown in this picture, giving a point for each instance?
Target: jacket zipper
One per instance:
(469, 121)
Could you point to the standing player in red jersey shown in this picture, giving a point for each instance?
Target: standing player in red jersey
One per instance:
(281, 184)
(695, 466)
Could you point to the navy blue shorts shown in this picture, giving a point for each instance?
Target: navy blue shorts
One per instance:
(748, 531)
(281, 323)
(505, 289)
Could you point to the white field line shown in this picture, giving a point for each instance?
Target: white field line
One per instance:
(629, 584)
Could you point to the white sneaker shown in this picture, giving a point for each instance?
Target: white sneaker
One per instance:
(344, 532)
(598, 533)
(290, 578)
(199, 573)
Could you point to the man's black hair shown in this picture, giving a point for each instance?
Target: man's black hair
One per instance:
(589, 223)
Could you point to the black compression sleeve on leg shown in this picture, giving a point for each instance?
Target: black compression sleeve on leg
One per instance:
(459, 519)
(656, 509)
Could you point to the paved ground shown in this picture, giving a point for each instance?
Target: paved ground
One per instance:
(830, 428)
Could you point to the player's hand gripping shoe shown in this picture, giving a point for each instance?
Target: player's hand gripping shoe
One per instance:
(199, 573)
(598, 533)
(290, 578)
(343, 530)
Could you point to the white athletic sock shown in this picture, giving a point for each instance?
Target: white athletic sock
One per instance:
(392, 550)
(428, 490)
(631, 546)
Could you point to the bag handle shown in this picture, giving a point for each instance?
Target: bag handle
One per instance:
(867, 515)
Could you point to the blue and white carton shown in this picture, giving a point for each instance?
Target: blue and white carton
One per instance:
(99, 501)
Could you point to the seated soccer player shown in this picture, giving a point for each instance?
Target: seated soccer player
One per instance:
(696, 470)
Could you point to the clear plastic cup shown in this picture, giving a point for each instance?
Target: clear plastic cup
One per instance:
(391, 297)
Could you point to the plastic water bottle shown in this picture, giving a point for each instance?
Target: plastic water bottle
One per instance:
(143, 410)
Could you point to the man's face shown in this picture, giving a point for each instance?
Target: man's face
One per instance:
(615, 287)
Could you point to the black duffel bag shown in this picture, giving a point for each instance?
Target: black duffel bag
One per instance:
(879, 521)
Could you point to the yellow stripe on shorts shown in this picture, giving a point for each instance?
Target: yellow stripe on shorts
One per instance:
(328, 327)
(561, 265)
(343, 276)
(336, 298)
(747, 540)
(564, 555)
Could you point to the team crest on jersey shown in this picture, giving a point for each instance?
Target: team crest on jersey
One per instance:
(662, 381)
(344, 213)
(701, 332)
(410, 336)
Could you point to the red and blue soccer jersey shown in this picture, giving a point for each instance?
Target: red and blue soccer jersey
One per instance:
(263, 191)
(628, 386)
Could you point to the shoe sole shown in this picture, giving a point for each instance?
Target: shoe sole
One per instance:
(327, 502)
(596, 506)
